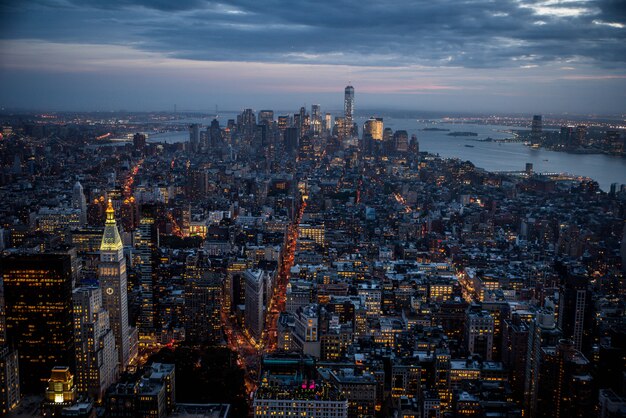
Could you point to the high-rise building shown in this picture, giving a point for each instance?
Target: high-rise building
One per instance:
(542, 332)
(348, 107)
(79, 202)
(401, 141)
(113, 281)
(536, 130)
(214, 133)
(290, 139)
(194, 137)
(479, 331)
(283, 123)
(575, 308)
(39, 321)
(328, 122)
(9, 366)
(515, 350)
(246, 123)
(316, 120)
(9, 380)
(139, 141)
(255, 310)
(145, 244)
(96, 353)
(374, 127)
(266, 117)
(203, 290)
(565, 385)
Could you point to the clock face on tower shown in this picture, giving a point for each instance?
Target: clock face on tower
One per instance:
(109, 290)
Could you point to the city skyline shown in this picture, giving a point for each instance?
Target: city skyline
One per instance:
(532, 57)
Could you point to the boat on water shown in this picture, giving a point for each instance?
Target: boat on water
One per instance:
(469, 146)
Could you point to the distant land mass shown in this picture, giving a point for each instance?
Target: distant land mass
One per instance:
(462, 134)
(435, 129)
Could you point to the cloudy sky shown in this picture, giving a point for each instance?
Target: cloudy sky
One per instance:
(476, 55)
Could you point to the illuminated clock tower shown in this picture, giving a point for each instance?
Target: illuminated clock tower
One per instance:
(112, 274)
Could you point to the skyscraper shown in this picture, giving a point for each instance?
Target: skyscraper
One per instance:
(96, 354)
(112, 274)
(316, 119)
(203, 289)
(146, 242)
(565, 385)
(79, 202)
(374, 127)
(38, 302)
(574, 307)
(254, 313)
(348, 107)
(194, 137)
(9, 366)
(542, 332)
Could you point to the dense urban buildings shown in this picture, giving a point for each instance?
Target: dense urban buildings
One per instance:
(333, 267)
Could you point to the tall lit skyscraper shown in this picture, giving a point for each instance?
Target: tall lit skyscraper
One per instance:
(112, 274)
(39, 321)
(146, 242)
(96, 355)
(348, 107)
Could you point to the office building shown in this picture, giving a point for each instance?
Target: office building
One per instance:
(79, 202)
(575, 308)
(374, 127)
(194, 137)
(96, 353)
(479, 333)
(9, 380)
(401, 141)
(565, 385)
(203, 291)
(542, 332)
(146, 242)
(139, 141)
(255, 309)
(39, 321)
(113, 281)
(348, 107)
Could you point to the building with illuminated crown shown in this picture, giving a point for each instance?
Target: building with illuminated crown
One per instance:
(113, 281)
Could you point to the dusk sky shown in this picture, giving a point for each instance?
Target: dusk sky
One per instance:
(473, 56)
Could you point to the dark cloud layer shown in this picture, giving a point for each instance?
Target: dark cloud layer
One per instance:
(478, 34)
